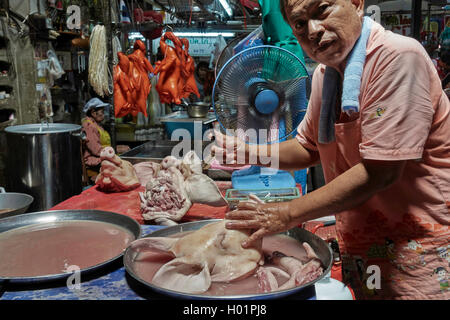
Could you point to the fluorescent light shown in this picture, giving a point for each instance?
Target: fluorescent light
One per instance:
(205, 34)
(227, 7)
(135, 35)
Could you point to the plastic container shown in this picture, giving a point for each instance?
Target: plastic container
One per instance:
(192, 128)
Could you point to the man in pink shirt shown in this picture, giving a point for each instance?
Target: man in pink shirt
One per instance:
(388, 169)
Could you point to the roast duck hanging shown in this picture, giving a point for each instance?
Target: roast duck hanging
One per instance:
(176, 70)
(131, 76)
(131, 82)
(169, 84)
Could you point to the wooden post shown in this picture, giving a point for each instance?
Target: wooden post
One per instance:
(109, 37)
(416, 20)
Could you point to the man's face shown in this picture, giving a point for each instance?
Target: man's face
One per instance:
(326, 29)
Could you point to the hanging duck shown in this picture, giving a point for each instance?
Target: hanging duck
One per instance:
(131, 83)
(169, 70)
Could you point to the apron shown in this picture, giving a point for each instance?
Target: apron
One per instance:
(389, 250)
(396, 245)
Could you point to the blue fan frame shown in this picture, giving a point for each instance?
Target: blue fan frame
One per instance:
(234, 57)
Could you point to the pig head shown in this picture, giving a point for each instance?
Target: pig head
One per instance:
(116, 175)
(173, 186)
(209, 254)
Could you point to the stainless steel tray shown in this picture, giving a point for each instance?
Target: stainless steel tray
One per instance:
(157, 150)
(321, 248)
(182, 116)
(44, 217)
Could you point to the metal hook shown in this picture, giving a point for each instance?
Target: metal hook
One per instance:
(166, 27)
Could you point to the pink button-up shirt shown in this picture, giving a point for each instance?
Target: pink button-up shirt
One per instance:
(404, 115)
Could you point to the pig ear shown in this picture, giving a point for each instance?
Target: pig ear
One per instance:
(202, 189)
(193, 161)
(146, 171)
(183, 275)
(153, 244)
(310, 251)
(266, 280)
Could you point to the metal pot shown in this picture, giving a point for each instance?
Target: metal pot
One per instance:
(198, 109)
(44, 160)
(12, 203)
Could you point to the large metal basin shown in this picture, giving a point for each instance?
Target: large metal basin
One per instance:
(320, 246)
(35, 220)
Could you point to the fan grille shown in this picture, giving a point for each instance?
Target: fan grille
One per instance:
(279, 69)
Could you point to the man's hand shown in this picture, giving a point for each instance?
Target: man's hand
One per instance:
(345, 192)
(262, 218)
(230, 150)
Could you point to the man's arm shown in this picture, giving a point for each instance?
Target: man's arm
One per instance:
(289, 155)
(347, 191)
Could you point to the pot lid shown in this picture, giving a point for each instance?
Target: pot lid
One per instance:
(38, 128)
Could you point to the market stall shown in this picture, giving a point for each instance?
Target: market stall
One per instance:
(143, 161)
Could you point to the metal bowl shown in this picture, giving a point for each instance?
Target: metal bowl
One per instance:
(319, 245)
(198, 109)
(12, 203)
(35, 220)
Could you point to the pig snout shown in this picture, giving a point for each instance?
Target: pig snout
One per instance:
(107, 153)
(170, 161)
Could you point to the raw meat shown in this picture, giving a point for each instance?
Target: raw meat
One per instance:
(172, 186)
(165, 200)
(291, 269)
(146, 171)
(116, 175)
(210, 254)
(202, 189)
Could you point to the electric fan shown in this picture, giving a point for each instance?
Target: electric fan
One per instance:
(261, 94)
(227, 53)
